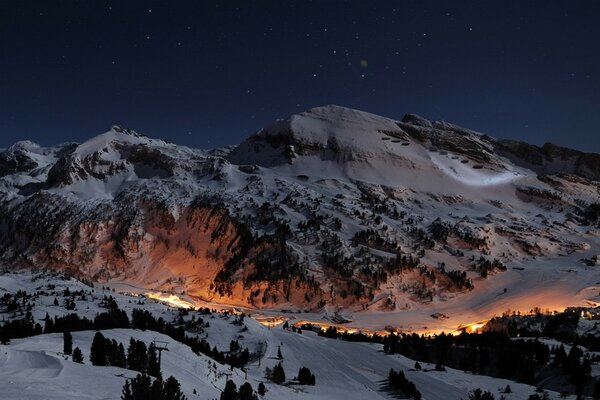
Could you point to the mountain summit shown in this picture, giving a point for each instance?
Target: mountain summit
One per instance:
(329, 209)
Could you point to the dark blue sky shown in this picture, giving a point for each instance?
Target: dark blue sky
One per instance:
(208, 73)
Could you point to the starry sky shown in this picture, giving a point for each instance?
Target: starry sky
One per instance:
(209, 73)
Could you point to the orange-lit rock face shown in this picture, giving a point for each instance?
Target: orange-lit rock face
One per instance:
(149, 247)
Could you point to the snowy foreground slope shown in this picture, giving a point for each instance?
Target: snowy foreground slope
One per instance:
(332, 213)
(35, 368)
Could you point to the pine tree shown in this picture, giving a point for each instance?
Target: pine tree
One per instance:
(279, 355)
(478, 394)
(262, 389)
(305, 377)
(277, 374)
(143, 388)
(77, 356)
(48, 324)
(67, 343)
(126, 393)
(137, 389)
(171, 390)
(137, 356)
(131, 355)
(230, 392)
(153, 367)
(246, 392)
(156, 390)
(121, 360)
(98, 350)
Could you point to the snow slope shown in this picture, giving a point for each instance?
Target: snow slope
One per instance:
(34, 368)
(311, 214)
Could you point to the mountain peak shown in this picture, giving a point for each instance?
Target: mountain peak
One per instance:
(330, 129)
(125, 131)
(417, 120)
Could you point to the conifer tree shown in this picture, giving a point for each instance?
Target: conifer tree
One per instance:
(153, 367)
(48, 324)
(126, 393)
(121, 360)
(98, 350)
(230, 392)
(305, 377)
(262, 389)
(171, 390)
(277, 374)
(77, 356)
(137, 355)
(67, 343)
(479, 394)
(137, 389)
(143, 388)
(246, 392)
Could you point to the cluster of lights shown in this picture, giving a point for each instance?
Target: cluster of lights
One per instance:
(272, 321)
(170, 299)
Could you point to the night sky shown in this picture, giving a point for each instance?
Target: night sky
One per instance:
(209, 73)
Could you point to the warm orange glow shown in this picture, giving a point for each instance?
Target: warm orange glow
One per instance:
(170, 299)
(342, 328)
(474, 327)
(267, 320)
(275, 320)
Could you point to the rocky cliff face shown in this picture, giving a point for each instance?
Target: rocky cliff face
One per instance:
(332, 207)
(551, 159)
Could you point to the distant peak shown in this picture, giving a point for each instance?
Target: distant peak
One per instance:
(417, 120)
(24, 145)
(334, 109)
(125, 131)
(330, 108)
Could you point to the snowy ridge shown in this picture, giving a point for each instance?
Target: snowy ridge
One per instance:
(388, 221)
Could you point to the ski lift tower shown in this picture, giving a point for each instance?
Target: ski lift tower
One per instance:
(160, 347)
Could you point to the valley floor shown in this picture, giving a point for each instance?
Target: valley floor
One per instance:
(550, 284)
(34, 368)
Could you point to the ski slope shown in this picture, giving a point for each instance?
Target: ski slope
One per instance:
(35, 368)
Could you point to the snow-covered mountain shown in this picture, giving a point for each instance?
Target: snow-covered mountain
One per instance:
(332, 209)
